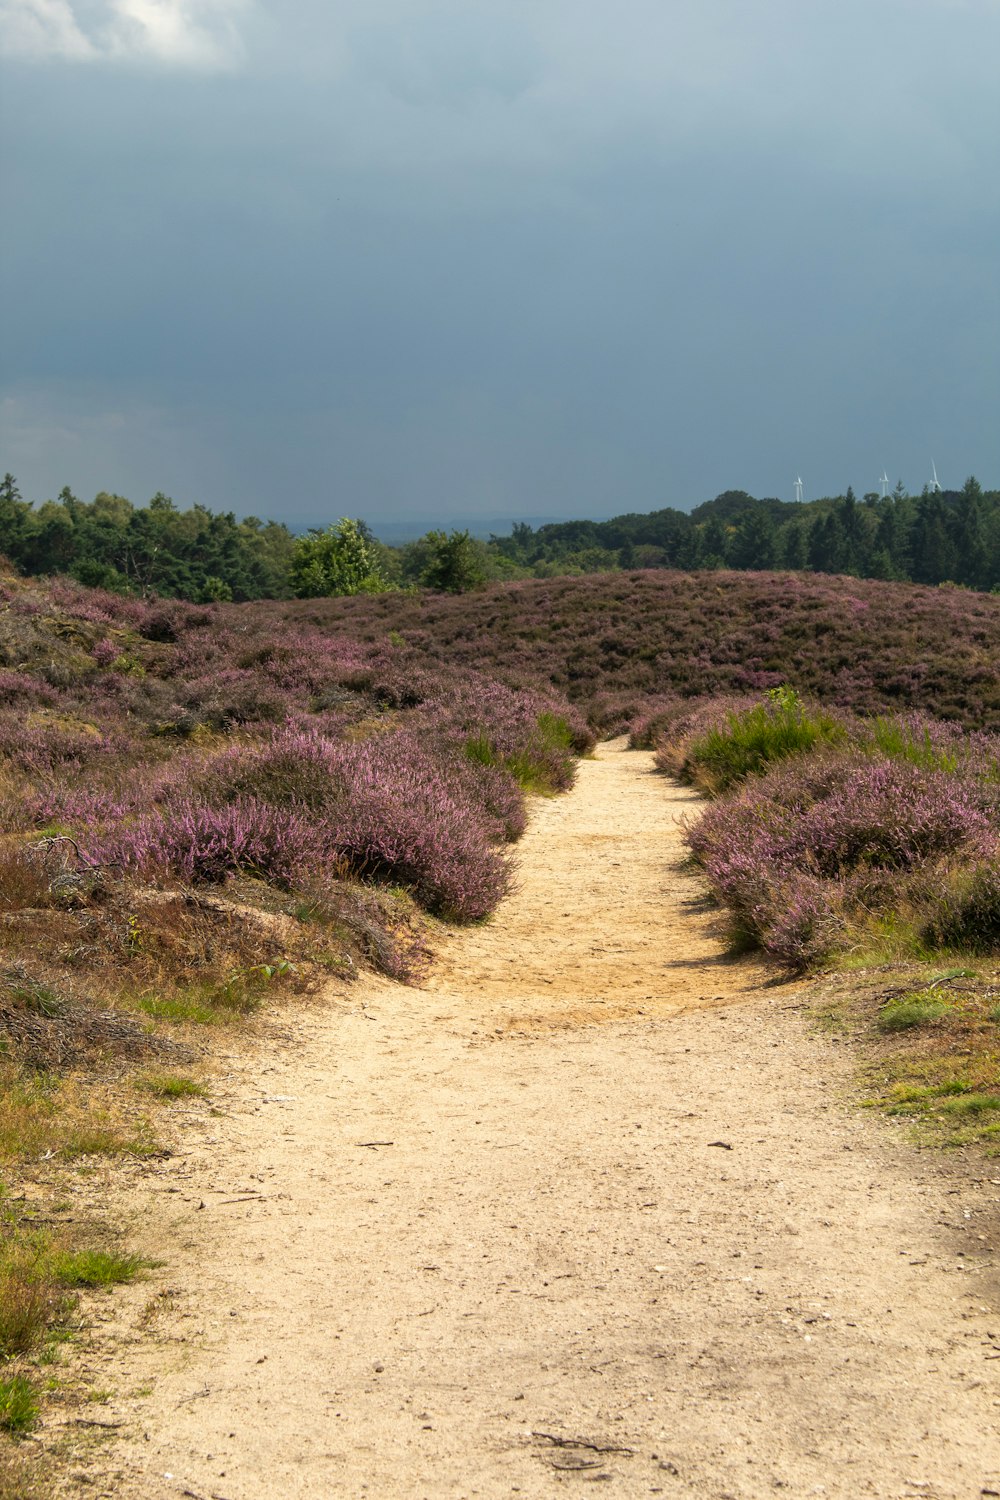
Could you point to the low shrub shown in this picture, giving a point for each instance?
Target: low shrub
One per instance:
(819, 846)
(402, 823)
(205, 845)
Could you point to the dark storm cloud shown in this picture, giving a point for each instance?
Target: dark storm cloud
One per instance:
(501, 259)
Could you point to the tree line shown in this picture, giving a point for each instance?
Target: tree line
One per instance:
(949, 536)
(936, 537)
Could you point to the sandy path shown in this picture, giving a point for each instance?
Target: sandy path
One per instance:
(551, 1244)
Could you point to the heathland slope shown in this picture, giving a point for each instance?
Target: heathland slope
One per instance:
(588, 1206)
(613, 642)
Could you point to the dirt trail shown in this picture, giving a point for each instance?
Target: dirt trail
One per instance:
(485, 1239)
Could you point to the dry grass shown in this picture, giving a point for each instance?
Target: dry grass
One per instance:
(21, 1476)
(24, 881)
(44, 1116)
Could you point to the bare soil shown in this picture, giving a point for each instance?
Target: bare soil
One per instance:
(592, 1206)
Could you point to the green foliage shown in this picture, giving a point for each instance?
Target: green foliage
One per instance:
(111, 544)
(343, 559)
(18, 1404)
(454, 564)
(543, 766)
(934, 538)
(757, 738)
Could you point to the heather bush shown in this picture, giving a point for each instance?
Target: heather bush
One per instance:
(205, 845)
(290, 768)
(403, 822)
(815, 848)
(618, 642)
(496, 795)
(386, 808)
(540, 759)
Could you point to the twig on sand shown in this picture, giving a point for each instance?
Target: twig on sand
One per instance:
(565, 1442)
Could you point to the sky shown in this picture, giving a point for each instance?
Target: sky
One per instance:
(467, 260)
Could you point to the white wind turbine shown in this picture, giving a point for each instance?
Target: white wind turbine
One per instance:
(798, 489)
(935, 483)
(884, 482)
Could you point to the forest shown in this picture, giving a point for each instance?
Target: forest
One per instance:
(936, 537)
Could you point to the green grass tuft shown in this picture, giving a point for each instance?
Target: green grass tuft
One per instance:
(94, 1268)
(171, 1086)
(18, 1406)
(756, 738)
(903, 742)
(912, 1010)
(972, 1104)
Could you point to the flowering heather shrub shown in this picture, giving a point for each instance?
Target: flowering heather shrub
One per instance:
(205, 845)
(105, 652)
(814, 844)
(531, 735)
(402, 821)
(800, 922)
(94, 605)
(890, 815)
(39, 745)
(385, 808)
(21, 688)
(292, 768)
(495, 795)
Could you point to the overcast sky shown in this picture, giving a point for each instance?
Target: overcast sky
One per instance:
(455, 259)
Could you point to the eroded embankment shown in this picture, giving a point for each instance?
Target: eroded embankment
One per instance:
(587, 1207)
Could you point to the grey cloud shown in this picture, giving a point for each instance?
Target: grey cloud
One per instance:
(527, 259)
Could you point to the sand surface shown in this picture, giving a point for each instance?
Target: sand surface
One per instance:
(589, 1207)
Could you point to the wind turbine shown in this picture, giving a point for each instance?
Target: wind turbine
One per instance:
(884, 482)
(798, 490)
(936, 484)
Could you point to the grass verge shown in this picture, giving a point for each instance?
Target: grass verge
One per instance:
(930, 1040)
